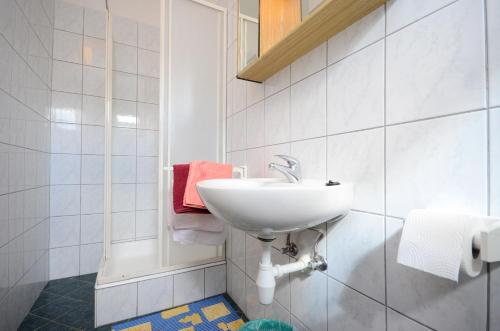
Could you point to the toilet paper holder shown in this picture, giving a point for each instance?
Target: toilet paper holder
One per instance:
(487, 242)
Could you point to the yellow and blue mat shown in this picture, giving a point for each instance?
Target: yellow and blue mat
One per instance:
(211, 314)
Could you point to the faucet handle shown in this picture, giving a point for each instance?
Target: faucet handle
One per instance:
(290, 160)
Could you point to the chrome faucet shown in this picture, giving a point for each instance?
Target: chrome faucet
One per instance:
(291, 170)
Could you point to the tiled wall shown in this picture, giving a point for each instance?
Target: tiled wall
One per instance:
(147, 296)
(136, 61)
(26, 29)
(402, 104)
(77, 168)
(77, 165)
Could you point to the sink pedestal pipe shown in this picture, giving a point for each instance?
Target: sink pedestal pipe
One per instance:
(267, 274)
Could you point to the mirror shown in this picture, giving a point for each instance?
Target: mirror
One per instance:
(248, 29)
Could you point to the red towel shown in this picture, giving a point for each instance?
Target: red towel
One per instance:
(181, 173)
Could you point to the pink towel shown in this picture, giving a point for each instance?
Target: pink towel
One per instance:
(202, 170)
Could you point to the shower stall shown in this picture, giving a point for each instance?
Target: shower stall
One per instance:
(167, 110)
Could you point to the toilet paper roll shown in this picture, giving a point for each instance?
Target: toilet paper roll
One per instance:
(441, 243)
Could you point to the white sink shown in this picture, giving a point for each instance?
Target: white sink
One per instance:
(268, 205)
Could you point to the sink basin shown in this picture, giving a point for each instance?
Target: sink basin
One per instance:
(269, 205)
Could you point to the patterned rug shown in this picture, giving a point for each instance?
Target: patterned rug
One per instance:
(211, 314)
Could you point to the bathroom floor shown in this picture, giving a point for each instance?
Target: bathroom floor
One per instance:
(68, 304)
(64, 304)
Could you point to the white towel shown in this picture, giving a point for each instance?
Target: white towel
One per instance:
(202, 222)
(190, 237)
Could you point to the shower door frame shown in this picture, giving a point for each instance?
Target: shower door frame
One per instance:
(165, 115)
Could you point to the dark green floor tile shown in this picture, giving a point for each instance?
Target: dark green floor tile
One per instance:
(63, 286)
(53, 326)
(80, 318)
(57, 308)
(83, 293)
(44, 298)
(32, 322)
(89, 278)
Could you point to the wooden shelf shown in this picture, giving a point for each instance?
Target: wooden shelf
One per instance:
(331, 17)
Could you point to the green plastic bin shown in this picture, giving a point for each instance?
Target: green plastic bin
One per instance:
(266, 325)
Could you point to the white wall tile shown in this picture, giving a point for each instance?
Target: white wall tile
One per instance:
(350, 310)
(67, 77)
(495, 161)
(255, 118)
(64, 262)
(148, 89)
(67, 46)
(65, 169)
(92, 199)
(64, 231)
(215, 280)
(237, 288)
(277, 118)
(147, 169)
(94, 52)
(147, 143)
(238, 131)
(94, 81)
(254, 309)
(64, 200)
(239, 95)
(302, 300)
(238, 247)
(124, 58)
(92, 169)
(93, 110)
(90, 257)
(493, 18)
(124, 113)
(149, 63)
(124, 169)
(361, 34)
(356, 91)
(439, 163)
(403, 12)
(123, 226)
(66, 107)
(123, 197)
(398, 322)
(358, 158)
(308, 107)
(277, 82)
(312, 155)
(155, 294)
(124, 31)
(147, 116)
(116, 303)
(124, 86)
(255, 93)
(447, 75)
(68, 17)
(147, 196)
(309, 63)
(189, 287)
(146, 223)
(149, 37)
(94, 24)
(356, 250)
(439, 303)
(92, 227)
(92, 139)
(124, 141)
(256, 163)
